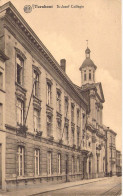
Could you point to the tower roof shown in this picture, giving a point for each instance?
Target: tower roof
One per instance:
(87, 62)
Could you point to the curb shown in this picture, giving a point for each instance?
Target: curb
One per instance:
(66, 187)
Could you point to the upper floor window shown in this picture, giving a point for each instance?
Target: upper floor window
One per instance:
(78, 117)
(66, 106)
(20, 111)
(20, 160)
(85, 75)
(36, 83)
(36, 120)
(66, 134)
(72, 112)
(49, 125)
(1, 114)
(72, 136)
(49, 93)
(37, 153)
(19, 69)
(78, 138)
(58, 100)
(89, 74)
(1, 80)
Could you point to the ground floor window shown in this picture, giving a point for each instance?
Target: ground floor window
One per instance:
(49, 163)
(59, 163)
(37, 154)
(72, 164)
(89, 167)
(20, 160)
(78, 164)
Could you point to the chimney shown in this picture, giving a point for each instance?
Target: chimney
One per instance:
(63, 64)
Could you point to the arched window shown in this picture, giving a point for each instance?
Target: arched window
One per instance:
(84, 75)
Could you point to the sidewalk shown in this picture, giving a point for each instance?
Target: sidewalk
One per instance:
(29, 191)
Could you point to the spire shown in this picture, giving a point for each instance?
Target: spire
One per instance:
(87, 51)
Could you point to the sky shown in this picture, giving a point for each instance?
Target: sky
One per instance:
(64, 32)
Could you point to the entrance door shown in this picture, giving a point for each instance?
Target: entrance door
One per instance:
(0, 166)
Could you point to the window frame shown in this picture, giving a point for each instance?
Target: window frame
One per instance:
(49, 163)
(21, 154)
(20, 111)
(37, 162)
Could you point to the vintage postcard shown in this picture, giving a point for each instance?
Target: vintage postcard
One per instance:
(60, 97)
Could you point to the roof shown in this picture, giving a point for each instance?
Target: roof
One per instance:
(88, 63)
(107, 129)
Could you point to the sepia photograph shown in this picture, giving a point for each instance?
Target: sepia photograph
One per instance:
(60, 97)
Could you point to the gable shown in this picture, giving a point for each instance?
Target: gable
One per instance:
(100, 92)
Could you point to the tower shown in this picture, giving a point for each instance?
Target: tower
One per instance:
(87, 69)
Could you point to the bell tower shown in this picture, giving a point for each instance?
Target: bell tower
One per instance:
(87, 69)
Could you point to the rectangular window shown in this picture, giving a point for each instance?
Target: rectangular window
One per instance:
(1, 80)
(37, 153)
(49, 163)
(36, 83)
(97, 164)
(72, 165)
(78, 139)
(19, 69)
(1, 114)
(20, 112)
(85, 75)
(78, 164)
(72, 112)
(78, 118)
(66, 107)
(89, 167)
(58, 100)
(20, 161)
(48, 94)
(59, 163)
(66, 134)
(72, 137)
(36, 120)
(49, 125)
(89, 74)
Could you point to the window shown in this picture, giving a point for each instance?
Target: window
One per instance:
(72, 164)
(66, 134)
(1, 114)
(1, 80)
(72, 136)
(89, 166)
(37, 152)
(78, 138)
(89, 144)
(97, 164)
(58, 100)
(36, 83)
(48, 93)
(20, 112)
(66, 107)
(49, 163)
(78, 164)
(59, 163)
(78, 117)
(49, 125)
(89, 74)
(72, 112)
(19, 69)
(85, 75)
(36, 120)
(20, 161)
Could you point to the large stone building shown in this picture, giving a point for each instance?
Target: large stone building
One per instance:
(50, 129)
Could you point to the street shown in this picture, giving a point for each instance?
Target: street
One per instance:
(108, 187)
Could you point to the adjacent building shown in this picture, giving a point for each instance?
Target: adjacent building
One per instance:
(118, 163)
(51, 130)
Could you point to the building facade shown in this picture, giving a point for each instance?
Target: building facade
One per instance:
(118, 163)
(50, 129)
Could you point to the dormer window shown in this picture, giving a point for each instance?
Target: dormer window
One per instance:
(19, 69)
